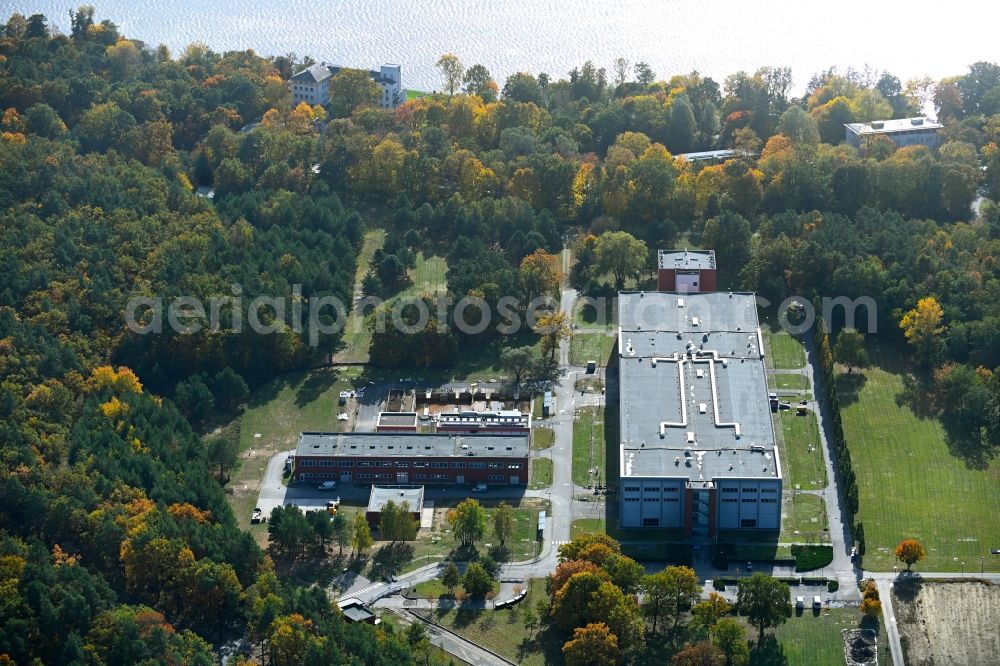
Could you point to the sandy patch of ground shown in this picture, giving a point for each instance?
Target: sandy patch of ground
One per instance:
(952, 623)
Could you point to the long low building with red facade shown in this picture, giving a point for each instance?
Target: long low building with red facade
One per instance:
(409, 458)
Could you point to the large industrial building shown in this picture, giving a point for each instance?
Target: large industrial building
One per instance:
(686, 270)
(697, 445)
(410, 458)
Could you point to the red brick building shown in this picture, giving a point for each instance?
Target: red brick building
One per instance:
(407, 458)
(689, 271)
(503, 422)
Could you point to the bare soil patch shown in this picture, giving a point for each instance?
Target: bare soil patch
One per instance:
(948, 622)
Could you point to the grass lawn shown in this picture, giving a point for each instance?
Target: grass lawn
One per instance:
(802, 453)
(542, 438)
(503, 631)
(415, 94)
(811, 640)
(278, 412)
(803, 519)
(437, 544)
(912, 486)
(588, 446)
(428, 277)
(585, 347)
(357, 336)
(435, 589)
(596, 313)
(789, 382)
(541, 473)
(586, 526)
(785, 351)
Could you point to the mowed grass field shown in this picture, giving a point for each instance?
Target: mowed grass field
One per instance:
(911, 485)
(809, 640)
(786, 352)
(357, 336)
(588, 446)
(541, 473)
(585, 347)
(803, 456)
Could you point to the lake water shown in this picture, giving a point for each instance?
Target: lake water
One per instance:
(714, 37)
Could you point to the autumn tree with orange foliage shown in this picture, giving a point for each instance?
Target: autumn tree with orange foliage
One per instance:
(592, 645)
(910, 551)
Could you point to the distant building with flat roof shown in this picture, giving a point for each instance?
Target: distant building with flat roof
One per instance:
(902, 131)
(501, 421)
(686, 270)
(697, 444)
(355, 611)
(396, 422)
(407, 458)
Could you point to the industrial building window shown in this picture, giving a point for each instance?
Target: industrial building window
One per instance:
(307, 463)
(458, 465)
(632, 488)
(364, 463)
(366, 476)
(752, 500)
(514, 466)
(631, 499)
(400, 463)
(650, 499)
(731, 500)
(769, 500)
(494, 465)
(769, 490)
(672, 499)
(441, 477)
(750, 490)
(671, 490)
(496, 477)
(650, 522)
(439, 465)
(730, 490)
(420, 465)
(419, 477)
(384, 463)
(345, 463)
(748, 522)
(381, 476)
(477, 465)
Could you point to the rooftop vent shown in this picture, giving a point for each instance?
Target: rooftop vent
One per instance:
(680, 302)
(878, 125)
(916, 121)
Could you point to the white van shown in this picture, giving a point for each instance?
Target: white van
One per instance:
(328, 485)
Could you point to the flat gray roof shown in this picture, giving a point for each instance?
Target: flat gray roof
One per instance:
(397, 418)
(414, 495)
(686, 259)
(889, 126)
(411, 445)
(693, 387)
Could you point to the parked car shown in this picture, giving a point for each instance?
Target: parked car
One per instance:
(749, 567)
(817, 603)
(257, 516)
(800, 603)
(480, 488)
(328, 485)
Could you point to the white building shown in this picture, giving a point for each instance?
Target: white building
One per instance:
(903, 132)
(312, 85)
(697, 448)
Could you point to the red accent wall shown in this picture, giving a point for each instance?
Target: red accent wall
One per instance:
(667, 280)
(395, 428)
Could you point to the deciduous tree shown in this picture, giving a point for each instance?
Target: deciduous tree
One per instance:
(850, 349)
(910, 551)
(468, 522)
(764, 601)
(452, 70)
(361, 540)
(621, 254)
(503, 524)
(592, 645)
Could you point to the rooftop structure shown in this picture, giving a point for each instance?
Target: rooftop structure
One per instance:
(409, 445)
(507, 420)
(355, 611)
(380, 495)
(903, 131)
(686, 270)
(694, 410)
(396, 422)
(710, 155)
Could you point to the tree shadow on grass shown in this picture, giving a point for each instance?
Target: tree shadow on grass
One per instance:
(316, 383)
(549, 641)
(849, 387)
(906, 588)
(270, 390)
(390, 558)
(768, 652)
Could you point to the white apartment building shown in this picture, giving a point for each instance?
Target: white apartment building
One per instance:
(312, 85)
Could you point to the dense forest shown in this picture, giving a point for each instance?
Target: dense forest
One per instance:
(116, 543)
